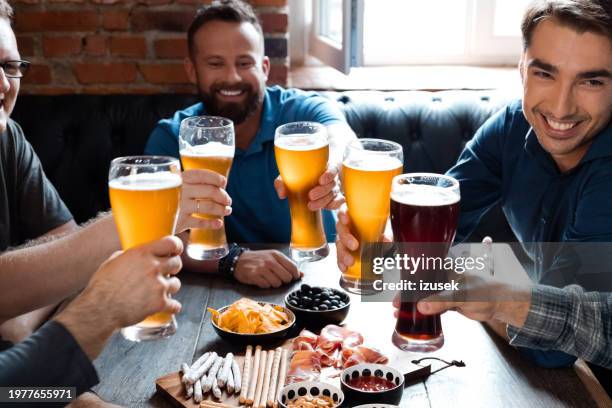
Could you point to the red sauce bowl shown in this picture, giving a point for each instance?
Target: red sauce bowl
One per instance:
(372, 383)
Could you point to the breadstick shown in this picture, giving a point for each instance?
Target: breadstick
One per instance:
(254, 374)
(229, 386)
(188, 388)
(196, 374)
(246, 375)
(212, 375)
(281, 377)
(274, 376)
(225, 370)
(236, 376)
(266, 383)
(197, 391)
(260, 378)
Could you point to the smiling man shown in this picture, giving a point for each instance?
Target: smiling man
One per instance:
(228, 65)
(547, 158)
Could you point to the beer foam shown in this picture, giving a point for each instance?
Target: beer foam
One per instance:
(146, 181)
(424, 195)
(301, 142)
(373, 163)
(211, 149)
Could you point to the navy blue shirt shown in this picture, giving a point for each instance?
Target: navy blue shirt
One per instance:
(504, 163)
(258, 215)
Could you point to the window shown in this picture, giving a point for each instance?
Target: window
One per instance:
(348, 33)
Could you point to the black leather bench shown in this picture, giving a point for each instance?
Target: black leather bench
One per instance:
(76, 136)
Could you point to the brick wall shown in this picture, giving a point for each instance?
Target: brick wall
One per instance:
(123, 46)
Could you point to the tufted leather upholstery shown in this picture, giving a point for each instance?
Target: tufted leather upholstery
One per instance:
(76, 136)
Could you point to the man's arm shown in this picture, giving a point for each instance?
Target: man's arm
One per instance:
(50, 357)
(54, 270)
(541, 317)
(19, 328)
(569, 320)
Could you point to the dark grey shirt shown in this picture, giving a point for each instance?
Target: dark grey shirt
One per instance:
(50, 357)
(29, 204)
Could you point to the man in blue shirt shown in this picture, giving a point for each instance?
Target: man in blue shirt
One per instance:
(227, 63)
(548, 157)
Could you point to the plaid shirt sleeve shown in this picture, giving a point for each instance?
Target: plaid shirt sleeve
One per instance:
(569, 320)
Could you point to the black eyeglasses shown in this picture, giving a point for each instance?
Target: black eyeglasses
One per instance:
(15, 69)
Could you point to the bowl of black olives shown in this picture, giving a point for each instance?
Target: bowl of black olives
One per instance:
(315, 307)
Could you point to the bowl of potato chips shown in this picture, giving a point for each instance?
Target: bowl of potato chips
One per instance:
(247, 321)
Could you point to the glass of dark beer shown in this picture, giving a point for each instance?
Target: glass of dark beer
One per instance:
(424, 214)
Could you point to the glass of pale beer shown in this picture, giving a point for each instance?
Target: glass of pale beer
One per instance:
(207, 143)
(424, 216)
(368, 168)
(145, 193)
(302, 153)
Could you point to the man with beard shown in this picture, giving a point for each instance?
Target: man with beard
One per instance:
(227, 63)
(547, 159)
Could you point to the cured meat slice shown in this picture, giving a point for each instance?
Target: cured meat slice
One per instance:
(305, 366)
(362, 354)
(333, 337)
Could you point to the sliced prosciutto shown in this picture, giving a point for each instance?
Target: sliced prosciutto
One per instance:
(305, 365)
(306, 340)
(334, 337)
(362, 354)
(336, 347)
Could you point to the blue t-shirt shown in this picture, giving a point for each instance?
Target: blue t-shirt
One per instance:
(258, 215)
(504, 163)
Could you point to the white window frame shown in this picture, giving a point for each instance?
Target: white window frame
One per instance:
(482, 46)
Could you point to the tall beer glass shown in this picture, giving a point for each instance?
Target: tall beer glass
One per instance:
(368, 168)
(145, 193)
(302, 153)
(424, 210)
(207, 143)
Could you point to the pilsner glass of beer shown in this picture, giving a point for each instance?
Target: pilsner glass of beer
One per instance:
(302, 153)
(207, 143)
(424, 211)
(368, 169)
(145, 192)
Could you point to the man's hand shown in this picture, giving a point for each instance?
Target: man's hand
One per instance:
(268, 268)
(123, 291)
(326, 195)
(483, 299)
(203, 193)
(346, 241)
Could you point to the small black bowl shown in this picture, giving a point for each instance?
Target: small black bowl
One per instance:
(316, 319)
(311, 388)
(355, 396)
(261, 338)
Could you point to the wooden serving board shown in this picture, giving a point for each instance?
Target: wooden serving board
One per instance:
(171, 387)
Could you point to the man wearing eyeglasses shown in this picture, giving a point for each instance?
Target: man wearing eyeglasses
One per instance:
(38, 276)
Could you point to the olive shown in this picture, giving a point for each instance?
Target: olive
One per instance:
(293, 302)
(315, 308)
(335, 303)
(323, 307)
(315, 289)
(305, 288)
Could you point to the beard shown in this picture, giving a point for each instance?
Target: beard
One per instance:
(237, 112)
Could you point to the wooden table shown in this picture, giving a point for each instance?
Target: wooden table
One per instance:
(495, 374)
